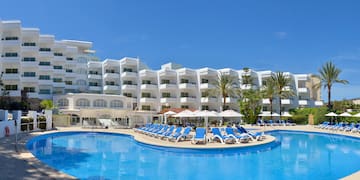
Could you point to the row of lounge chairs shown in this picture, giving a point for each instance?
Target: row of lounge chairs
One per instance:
(275, 123)
(228, 135)
(341, 126)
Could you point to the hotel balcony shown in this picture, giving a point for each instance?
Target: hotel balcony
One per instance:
(206, 86)
(94, 76)
(286, 88)
(11, 77)
(29, 48)
(12, 60)
(15, 93)
(94, 64)
(187, 85)
(286, 101)
(59, 84)
(147, 73)
(187, 99)
(29, 64)
(267, 101)
(208, 72)
(45, 82)
(168, 73)
(33, 79)
(303, 90)
(303, 102)
(46, 68)
(111, 88)
(59, 71)
(168, 86)
(302, 77)
(46, 54)
(111, 76)
(70, 74)
(11, 43)
(95, 88)
(231, 100)
(44, 96)
(168, 100)
(129, 74)
(71, 86)
(59, 59)
(209, 100)
(32, 95)
(319, 103)
(148, 100)
(149, 86)
(131, 87)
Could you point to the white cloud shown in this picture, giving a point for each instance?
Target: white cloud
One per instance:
(281, 34)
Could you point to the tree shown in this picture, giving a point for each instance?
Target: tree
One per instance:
(281, 81)
(329, 74)
(250, 105)
(269, 91)
(225, 86)
(47, 104)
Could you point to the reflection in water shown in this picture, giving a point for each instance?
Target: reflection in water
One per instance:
(107, 156)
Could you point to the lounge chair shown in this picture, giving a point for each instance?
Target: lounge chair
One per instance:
(200, 136)
(222, 138)
(244, 137)
(179, 136)
(255, 135)
(175, 134)
(167, 133)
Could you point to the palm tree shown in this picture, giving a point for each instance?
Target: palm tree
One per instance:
(47, 104)
(225, 86)
(281, 81)
(268, 91)
(329, 74)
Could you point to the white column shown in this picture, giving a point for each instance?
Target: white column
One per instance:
(48, 115)
(33, 115)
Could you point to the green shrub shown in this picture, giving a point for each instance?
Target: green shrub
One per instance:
(41, 119)
(42, 126)
(300, 119)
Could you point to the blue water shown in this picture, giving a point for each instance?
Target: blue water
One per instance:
(297, 155)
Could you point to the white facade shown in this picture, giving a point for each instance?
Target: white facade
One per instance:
(47, 68)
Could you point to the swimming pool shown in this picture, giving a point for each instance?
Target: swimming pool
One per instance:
(297, 155)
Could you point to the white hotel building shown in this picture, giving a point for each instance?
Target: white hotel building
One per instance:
(50, 69)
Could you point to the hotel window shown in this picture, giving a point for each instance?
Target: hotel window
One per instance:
(110, 83)
(11, 54)
(29, 74)
(127, 70)
(204, 107)
(63, 102)
(184, 106)
(44, 91)
(44, 77)
(145, 108)
(58, 67)
(44, 63)
(69, 59)
(127, 94)
(58, 54)
(146, 95)
(110, 71)
(127, 83)
(204, 94)
(83, 102)
(11, 87)
(29, 44)
(93, 84)
(93, 72)
(11, 71)
(116, 104)
(58, 80)
(165, 81)
(29, 59)
(165, 95)
(68, 70)
(68, 82)
(29, 89)
(45, 49)
(99, 103)
(204, 81)
(146, 82)
(184, 81)
(10, 38)
(184, 94)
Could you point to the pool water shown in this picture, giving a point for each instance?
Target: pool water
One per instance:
(296, 155)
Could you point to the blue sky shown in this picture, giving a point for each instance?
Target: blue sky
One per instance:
(295, 36)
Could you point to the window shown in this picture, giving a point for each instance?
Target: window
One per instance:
(11, 87)
(69, 70)
(116, 104)
(83, 102)
(145, 108)
(184, 106)
(110, 83)
(265, 108)
(29, 89)
(11, 54)
(127, 94)
(127, 70)
(204, 94)
(204, 107)
(58, 54)
(146, 95)
(165, 81)
(45, 49)
(110, 71)
(44, 63)
(69, 59)
(93, 72)
(29, 74)
(44, 91)
(146, 82)
(27, 59)
(93, 84)
(29, 44)
(81, 82)
(204, 81)
(11, 71)
(127, 83)
(68, 82)
(58, 80)
(57, 67)
(63, 102)
(184, 94)
(44, 77)
(166, 95)
(9, 38)
(99, 103)
(184, 81)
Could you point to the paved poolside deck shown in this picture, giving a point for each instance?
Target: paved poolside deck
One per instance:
(21, 164)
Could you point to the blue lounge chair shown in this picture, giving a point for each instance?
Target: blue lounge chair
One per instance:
(167, 133)
(175, 134)
(200, 136)
(244, 138)
(222, 138)
(255, 135)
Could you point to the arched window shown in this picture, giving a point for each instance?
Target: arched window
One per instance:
(83, 102)
(99, 103)
(81, 82)
(116, 104)
(63, 102)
